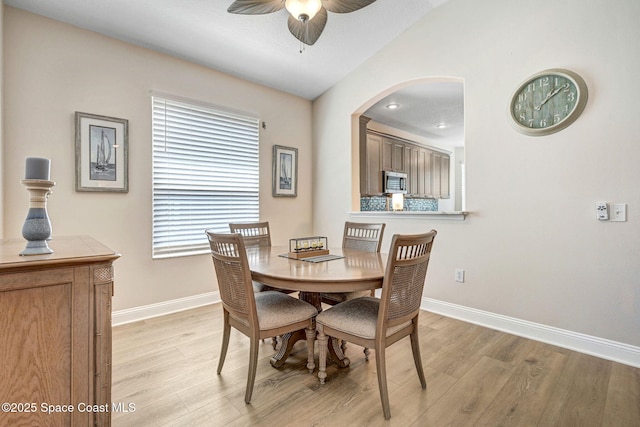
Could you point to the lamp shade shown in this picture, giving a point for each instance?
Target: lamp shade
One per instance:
(303, 10)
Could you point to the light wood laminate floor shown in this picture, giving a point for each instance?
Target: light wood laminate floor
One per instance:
(166, 368)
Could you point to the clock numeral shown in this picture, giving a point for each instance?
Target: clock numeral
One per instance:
(556, 118)
(522, 97)
(531, 87)
(543, 123)
(518, 107)
(544, 81)
(571, 96)
(530, 123)
(523, 117)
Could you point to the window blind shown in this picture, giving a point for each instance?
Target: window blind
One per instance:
(205, 175)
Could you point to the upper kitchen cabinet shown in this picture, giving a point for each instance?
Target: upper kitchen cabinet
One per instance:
(393, 154)
(373, 166)
(370, 161)
(439, 175)
(427, 169)
(445, 182)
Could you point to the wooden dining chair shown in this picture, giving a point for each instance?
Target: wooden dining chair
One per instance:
(378, 323)
(254, 234)
(256, 315)
(363, 237)
(257, 234)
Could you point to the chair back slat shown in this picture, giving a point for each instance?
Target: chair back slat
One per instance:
(232, 271)
(254, 234)
(362, 236)
(405, 277)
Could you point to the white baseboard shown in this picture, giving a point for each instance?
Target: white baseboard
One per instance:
(599, 347)
(135, 314)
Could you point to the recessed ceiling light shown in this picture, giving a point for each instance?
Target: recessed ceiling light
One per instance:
(441, 125)
(393, 106)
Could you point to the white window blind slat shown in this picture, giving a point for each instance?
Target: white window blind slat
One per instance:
(205, 174)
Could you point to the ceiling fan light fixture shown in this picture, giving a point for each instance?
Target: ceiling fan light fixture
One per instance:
(303, 10)
(308, 17)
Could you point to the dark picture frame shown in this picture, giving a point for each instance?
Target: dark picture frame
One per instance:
(102, 151)
(285, 171)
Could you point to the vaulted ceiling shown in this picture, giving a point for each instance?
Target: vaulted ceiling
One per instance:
(258, 48)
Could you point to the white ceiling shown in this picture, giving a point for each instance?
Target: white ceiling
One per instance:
(258, 48)
(434, 111)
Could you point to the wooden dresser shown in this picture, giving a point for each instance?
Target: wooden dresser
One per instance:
(55, 333)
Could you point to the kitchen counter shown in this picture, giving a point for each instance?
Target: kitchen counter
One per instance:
(436, 215)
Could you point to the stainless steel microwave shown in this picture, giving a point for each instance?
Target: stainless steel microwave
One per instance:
(394, 182)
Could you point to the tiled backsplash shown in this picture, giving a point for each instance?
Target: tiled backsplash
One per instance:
(379, 203)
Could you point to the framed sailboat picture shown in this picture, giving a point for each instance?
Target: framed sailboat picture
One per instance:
(101, 153)
(285, 171)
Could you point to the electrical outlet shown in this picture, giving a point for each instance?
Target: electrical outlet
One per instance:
(459, 275)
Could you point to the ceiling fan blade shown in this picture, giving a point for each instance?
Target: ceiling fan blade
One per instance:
(255, 7)
(345, 6)
(308, 32)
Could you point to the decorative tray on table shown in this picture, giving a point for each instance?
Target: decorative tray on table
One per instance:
(305, 247)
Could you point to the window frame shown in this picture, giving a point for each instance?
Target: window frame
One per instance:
(205, 173)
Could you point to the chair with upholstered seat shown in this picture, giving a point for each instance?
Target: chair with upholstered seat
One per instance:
(256, 315)
(254, 234)
(378, 323)
(363, 237)
(257, 234)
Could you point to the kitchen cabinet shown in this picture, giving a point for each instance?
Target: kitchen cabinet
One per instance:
(439, 167)
(393, 153)
(445, 164)
(371, 169)
(424, 173)
(436, 174)
(55, 330)
(427, 170)
(411, 166)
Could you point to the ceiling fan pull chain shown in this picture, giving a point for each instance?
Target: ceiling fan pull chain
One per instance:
(306, 30)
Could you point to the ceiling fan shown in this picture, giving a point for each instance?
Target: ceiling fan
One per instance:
(307, 17)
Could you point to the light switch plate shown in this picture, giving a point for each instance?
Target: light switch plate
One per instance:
(618, 212)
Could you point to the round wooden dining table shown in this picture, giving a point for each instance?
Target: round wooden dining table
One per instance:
(353, 271)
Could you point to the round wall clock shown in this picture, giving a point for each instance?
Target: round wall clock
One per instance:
(547, 102)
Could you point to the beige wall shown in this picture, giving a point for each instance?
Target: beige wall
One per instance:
(532, 248)
(53, 69)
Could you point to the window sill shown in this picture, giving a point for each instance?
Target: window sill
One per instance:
(448, 216)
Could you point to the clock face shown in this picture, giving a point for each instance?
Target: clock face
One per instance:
(548, 102)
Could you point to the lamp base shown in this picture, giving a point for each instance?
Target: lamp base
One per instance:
(37, 227)
(37, 247)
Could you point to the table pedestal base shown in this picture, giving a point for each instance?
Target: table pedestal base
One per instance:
(289, 339)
